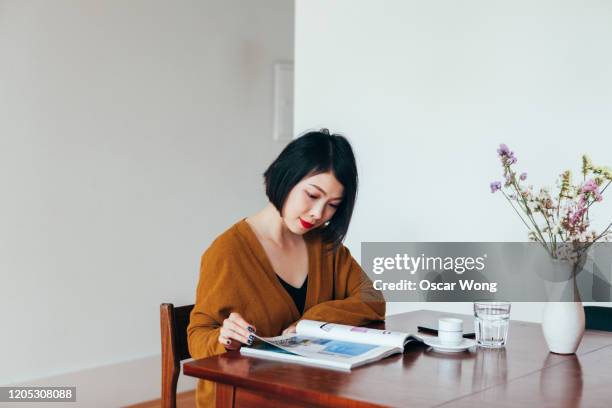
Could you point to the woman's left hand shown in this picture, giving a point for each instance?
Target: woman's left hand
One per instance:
(290, 329)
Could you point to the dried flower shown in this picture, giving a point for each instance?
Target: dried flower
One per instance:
(506, 155)
(586, 165)
(566, 179)
(590, 186)
(503, 150)
(605, 171)
(566, 232)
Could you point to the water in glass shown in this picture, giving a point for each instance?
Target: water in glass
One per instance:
(491, 321)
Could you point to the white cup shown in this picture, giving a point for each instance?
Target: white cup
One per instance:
(450, 331)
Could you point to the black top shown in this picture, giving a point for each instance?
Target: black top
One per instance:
(297, 294)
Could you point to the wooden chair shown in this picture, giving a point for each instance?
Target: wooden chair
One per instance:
(598, 318)
(174, 322)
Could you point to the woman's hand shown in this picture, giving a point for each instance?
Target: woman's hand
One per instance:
(235, 332)
(290, 329)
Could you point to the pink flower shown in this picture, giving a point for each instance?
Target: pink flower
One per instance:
(576, 216)
(495, 185)
(523, 176)
(590, 186)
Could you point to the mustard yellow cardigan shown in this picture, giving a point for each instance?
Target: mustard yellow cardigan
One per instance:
(236, 276)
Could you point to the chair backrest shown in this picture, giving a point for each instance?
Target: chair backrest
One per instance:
(598, 318)
(173, 323)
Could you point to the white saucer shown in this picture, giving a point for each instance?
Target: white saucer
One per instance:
(445, 348)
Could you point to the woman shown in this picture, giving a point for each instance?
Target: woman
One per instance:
(286, 262)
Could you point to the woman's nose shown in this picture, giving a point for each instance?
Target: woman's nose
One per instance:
(316, 212)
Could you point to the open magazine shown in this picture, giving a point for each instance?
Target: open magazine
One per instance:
(330, 345)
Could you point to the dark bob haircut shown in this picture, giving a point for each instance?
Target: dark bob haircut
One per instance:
(314, 153)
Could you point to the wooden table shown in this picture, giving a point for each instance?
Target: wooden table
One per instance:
(523, 373)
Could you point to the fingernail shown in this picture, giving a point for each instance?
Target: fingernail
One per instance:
(251, 338)
(251, 329)
(250, 342)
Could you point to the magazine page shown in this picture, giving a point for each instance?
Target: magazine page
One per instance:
(342, 354)
(274, 343)
(356, 334)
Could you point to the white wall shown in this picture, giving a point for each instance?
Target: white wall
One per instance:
(426, 91)
(131, 134)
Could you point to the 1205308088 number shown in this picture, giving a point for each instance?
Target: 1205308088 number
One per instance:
(34, 394)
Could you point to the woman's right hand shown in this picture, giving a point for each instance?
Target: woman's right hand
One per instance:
(235, 332)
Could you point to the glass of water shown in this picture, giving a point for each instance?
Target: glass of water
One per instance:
(491, 323)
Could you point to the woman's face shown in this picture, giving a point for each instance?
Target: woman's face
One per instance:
(312, 202)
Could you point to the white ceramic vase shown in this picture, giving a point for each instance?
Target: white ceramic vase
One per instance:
(563, 326)
(563, 322)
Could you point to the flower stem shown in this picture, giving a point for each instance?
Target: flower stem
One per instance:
(601, 192)
(596, 239)
(550, 234)
(528, 212)
(515, 210)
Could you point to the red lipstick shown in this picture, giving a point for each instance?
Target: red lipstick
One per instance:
(305, 224)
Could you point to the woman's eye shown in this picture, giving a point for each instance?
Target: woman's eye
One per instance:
(311, 195)
(334, 205)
